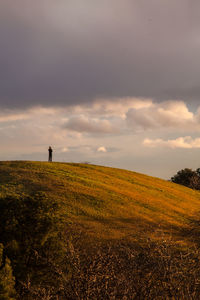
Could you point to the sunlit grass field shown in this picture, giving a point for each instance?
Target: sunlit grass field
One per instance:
(106, 203)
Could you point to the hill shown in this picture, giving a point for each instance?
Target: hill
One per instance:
(63, 214)
(105, 203)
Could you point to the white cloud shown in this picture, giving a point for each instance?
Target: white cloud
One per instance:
(186, 142)
(102, 149)
(169, 114)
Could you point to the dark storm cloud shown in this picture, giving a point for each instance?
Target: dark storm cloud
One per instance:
(64, 52)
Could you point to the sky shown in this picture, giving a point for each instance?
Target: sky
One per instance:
(114, 83)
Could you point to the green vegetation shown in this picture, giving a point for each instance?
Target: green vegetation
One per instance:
(79, 231)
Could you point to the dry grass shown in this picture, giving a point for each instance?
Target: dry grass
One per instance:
(126, 271)
(106, 203)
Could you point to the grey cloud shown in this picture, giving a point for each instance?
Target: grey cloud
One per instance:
(64, 52)
(82, 124)
(186, 142)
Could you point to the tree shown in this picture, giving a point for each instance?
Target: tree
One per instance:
(188, 177)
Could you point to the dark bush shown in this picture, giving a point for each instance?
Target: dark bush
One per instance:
(188, 177)
(31, 233)
(7, 280)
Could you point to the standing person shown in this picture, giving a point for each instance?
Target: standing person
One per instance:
(50, 153)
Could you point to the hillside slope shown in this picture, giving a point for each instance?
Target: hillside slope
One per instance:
(104, 203)
(78, 231)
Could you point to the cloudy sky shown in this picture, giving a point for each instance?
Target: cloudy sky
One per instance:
(115, 82)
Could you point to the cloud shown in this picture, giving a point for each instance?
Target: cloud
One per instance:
(83, 124)
(131, 114)
(169, 114)
(59, 53)
(11, 115)
(102, 149)
(112, 107)
(105, 132)
(109, 117)
(182, 142)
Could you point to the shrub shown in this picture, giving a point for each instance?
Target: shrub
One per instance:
(7, 280)
(188, 177)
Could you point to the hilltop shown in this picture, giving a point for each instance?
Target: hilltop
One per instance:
(46, 205)
(106, 203)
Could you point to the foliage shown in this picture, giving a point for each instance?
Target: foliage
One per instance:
(188, 177)
(7, 280)
(31, 233)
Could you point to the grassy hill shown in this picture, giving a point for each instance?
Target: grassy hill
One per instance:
(95, 207)
(105, 203)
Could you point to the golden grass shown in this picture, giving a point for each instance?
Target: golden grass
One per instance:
(105, 203)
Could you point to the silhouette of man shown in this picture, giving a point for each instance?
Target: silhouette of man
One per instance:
(50, 153)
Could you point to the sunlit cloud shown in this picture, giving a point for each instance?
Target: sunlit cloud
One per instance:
(102, 149)
(112, 107)
(169, 114)
(107, 117)
(186, 142)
